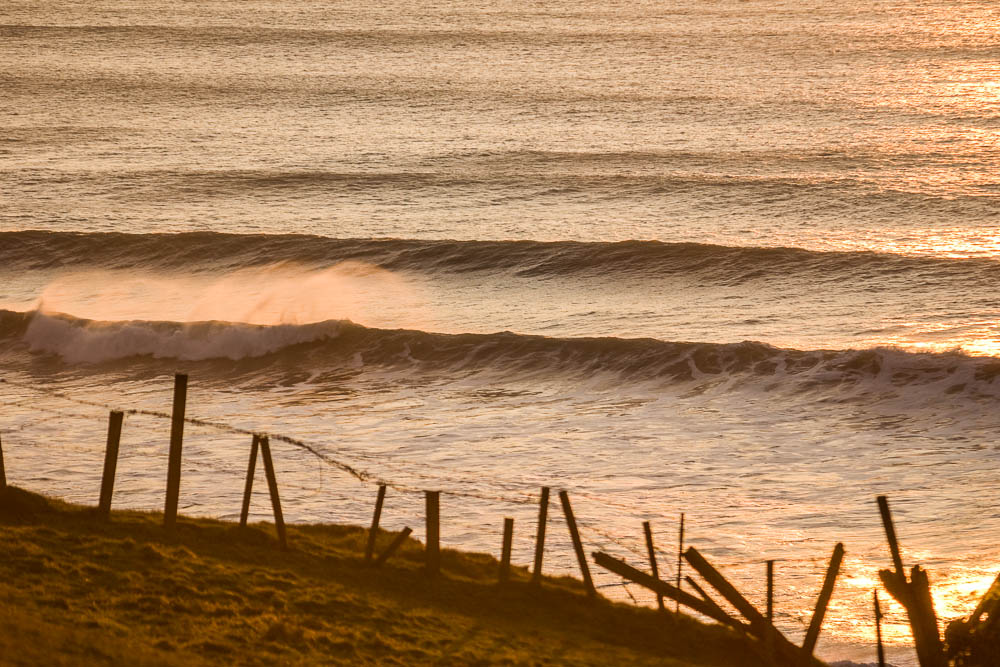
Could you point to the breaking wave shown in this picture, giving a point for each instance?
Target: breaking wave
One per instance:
(244, 349)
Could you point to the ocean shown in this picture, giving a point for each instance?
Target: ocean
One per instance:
(732, 259)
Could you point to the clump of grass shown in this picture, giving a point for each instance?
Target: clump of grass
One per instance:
(76, 589)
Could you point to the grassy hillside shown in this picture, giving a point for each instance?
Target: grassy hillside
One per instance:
(78, 590)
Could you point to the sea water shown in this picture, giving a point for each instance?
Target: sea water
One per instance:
(731, 259)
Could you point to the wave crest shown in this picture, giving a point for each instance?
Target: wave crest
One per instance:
(336, 345)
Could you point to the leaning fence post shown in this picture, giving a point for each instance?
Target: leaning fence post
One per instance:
(433, 506)
(574, 533)
(370, 547)
(543, 511)
(890, 534)
(272, 485)
(508, 538)
(248, 486)
(110, 462)
(652, 560)
(176, 442)
(391, 549)
(812, 634)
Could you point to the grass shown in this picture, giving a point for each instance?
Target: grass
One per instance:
(76, 589)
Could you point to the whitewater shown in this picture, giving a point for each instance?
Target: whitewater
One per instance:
(737, 260)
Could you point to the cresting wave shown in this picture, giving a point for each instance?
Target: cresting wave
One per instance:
(236, 349)
(217, 252)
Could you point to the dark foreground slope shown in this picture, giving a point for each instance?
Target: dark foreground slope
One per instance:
(78, 590)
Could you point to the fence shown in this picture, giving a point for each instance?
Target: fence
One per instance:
(746, 618)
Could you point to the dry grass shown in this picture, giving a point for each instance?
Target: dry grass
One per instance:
(78, 590)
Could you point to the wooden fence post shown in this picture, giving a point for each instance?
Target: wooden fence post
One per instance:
(433, 550)
(176, 443)
(878, 631)
(680, 553)
(110, 462)
(890, 534)
(770, 591)
(3, 471)
(915, 596)
(391, 549)
(704, 606)
(574, 533)
(370, 546)
(272, 486)
(508, 539)
(248, 486)
(543, 511)
(816, 624)
(708, 600)
(652, 560)
(759, 625)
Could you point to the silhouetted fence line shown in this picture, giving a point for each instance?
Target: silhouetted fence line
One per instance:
(913, 593)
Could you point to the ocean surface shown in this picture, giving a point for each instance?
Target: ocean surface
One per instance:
(733, 259)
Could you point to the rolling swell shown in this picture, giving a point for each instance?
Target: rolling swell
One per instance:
(212, 252)
(310, 350)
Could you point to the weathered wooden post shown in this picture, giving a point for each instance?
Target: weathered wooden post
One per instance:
(770, 591)
(391, 549)
(890, 534)
(703, 605)
(878, 631)
(915, 596)
(3, 470)
(370, 547)
(110, 462)
(574, 533)
(248, 486)
(433, 549)
(680, 555)
(272, 486)
(508, 539)
(652, 559)
(543, 511)
(176, 443)
(707, 599)
(816, 624)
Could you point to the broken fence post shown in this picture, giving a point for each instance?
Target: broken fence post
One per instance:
(816, 624)
(508, 538)
(176, 444)
(652, 559)
(433, 549)
(272, 486)
(248, 486)
(391, 549)
(543, 511)
(915, 596)
(702, 606)
(759, 625)
(709, 601)
(373, 532)
(574, 533)
(110, 462)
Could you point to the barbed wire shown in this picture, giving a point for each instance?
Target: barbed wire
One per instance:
(631, 546)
